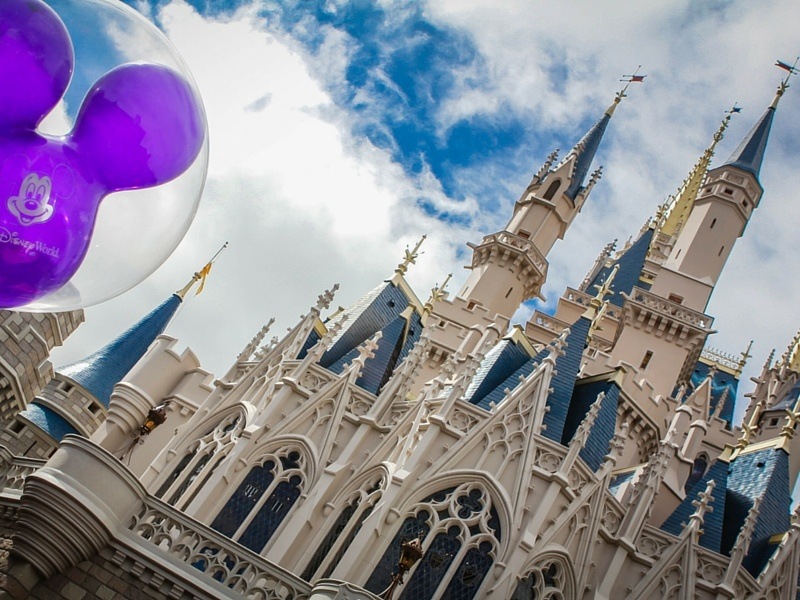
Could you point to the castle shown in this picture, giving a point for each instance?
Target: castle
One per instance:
(587, 454)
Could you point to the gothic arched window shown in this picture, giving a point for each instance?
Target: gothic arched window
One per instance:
(213, 444)
(547, 580)
(344, 530)
(551, 190)
(263, 499)
(460, 532)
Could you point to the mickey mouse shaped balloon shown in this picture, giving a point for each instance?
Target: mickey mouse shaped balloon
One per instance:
(125, 137)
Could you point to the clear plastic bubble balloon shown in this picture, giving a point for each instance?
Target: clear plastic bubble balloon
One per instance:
(103, 151)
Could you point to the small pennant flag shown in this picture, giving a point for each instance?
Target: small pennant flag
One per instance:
(736, 109)
(203, 274)
(786, 67)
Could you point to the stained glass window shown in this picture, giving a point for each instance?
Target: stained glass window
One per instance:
(263, 499)
(345, 527)
(460, 532)
(213, 443)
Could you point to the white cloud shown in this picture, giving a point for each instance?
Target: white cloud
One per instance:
(305, 204)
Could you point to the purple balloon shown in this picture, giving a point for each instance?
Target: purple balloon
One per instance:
(139, 126)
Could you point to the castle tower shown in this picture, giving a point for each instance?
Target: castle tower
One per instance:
(26, 340)
(717, 219)
(77, 399)
(510, 266)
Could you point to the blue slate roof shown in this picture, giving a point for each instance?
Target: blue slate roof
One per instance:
(596, 448)
(312, 339)
(48, 421)
(761, 474)
(563, 383)
(380, 310)
(500, 363)
(715, 518)
(499, 371)
(750, 153)
(397, 339)
(365, 318)
(617, 481)
(101, 371)
(591, 141)
(789, 400)
(720, 383)
(631, 263)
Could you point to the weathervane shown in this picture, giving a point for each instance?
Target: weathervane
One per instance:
(628, 79)
(783, 85)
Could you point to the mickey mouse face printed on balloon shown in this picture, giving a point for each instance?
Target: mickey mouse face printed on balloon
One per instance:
(139, 126)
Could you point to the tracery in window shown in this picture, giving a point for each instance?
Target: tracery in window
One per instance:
(547, 580)
(214, 444)
(263, 499)
(460, 531)
(344, 530)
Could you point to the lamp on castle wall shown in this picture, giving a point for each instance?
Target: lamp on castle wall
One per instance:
(155, 417)
(410, 553)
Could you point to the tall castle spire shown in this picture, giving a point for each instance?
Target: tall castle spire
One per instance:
(750, 153)
(510, 266)
(717, 218)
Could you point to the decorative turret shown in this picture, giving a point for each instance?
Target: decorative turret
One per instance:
(510, 266)
(76, 400)
(719, 215)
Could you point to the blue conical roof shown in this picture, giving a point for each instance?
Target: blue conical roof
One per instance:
(590, 143)
(750, 153)
(101, 371)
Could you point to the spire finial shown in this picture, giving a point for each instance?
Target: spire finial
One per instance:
(745, 355)
(410, 257)
(200, 276)
(437, 293)
(628, 79)
(783, 85)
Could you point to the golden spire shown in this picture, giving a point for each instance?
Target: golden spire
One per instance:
(628, 79)
(783, 85)
(200, 276)
(683, 202)
(409, 258)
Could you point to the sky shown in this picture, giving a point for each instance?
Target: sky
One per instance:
(342, 131)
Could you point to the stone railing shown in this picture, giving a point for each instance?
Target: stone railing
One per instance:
(583, 299)
(518, 243)
(244, 573)
(687, 316)
(723, 359)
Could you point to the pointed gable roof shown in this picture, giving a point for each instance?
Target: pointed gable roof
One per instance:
(98, 373)
(631, 263)
(503, 368)
(366, 317)
(584, 395)
(760, 473)
(714, 519)
(750, 153)
(724, 387)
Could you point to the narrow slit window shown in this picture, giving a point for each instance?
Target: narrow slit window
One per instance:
(646, 360)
